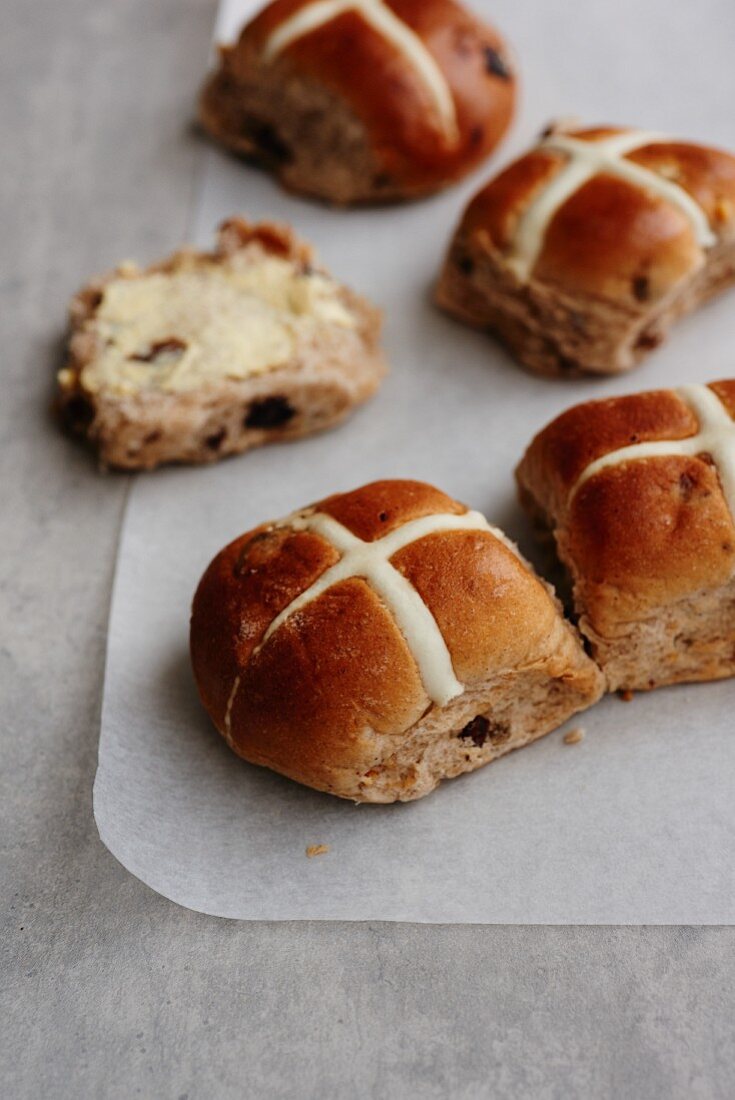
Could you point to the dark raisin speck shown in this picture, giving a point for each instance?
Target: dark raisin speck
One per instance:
(641, 288)
(383, 517)
(214, 441)
(269, 412)
(268, 141)
(480, 730)
(476, 731)
(78, 413)
(466, 265)
(649, 340)
(496, 65)
(567, 365)
(687, 486)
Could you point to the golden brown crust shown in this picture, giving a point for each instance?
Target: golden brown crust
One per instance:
(336, 691)
(386, 506)
(493, 214)
(707, 174)
(725, 390)
(611, 233)
(479, 618)
(647, 533)
(308, 699)
(263, 570)
(408, 151)
(560, 454)
(639, 536)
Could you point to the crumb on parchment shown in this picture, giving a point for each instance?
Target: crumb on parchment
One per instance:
(625, 696)
(317, 850)
(574, 736)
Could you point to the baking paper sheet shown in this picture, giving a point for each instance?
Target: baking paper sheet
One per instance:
(636, 823)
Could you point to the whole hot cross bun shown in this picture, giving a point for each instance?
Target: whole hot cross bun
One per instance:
(582, 253)
(380, 641)
(363, 100)
(639, 493)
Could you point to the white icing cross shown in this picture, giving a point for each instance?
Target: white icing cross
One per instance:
(384, 20)
(587, 159)
(228, 710)
(371, 561)
(716, 437)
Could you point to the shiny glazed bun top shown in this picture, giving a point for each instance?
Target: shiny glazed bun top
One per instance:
(318, 642)
(620, 213)
(363, 100)
(640, 490)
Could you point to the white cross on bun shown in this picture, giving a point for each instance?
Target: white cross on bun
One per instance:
(581, 254)
(380, 641)
(362, 100)
(639, 492)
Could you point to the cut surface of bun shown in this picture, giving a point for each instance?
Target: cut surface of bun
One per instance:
(208, 354)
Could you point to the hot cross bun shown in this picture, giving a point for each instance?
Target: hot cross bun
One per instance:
(639, 493)
(362, 100)
(581, 254)
(381, 641)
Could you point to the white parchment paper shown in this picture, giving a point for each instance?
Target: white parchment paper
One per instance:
(636, 823)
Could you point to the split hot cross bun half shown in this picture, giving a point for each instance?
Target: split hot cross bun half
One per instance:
(208, 354)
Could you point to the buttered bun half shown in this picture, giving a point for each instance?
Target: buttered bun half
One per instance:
(209, 354)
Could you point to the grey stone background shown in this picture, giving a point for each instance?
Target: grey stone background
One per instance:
(107, 989)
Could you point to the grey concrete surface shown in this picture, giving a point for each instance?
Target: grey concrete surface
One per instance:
(107, 990)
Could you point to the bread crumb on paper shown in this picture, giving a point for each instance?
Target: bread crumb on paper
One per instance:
(574, 736)
(625, 696)
(317, 850)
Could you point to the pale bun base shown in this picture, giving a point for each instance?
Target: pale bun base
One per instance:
(505, 713)
(559, 334)
(302, 133)
(687, 642)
